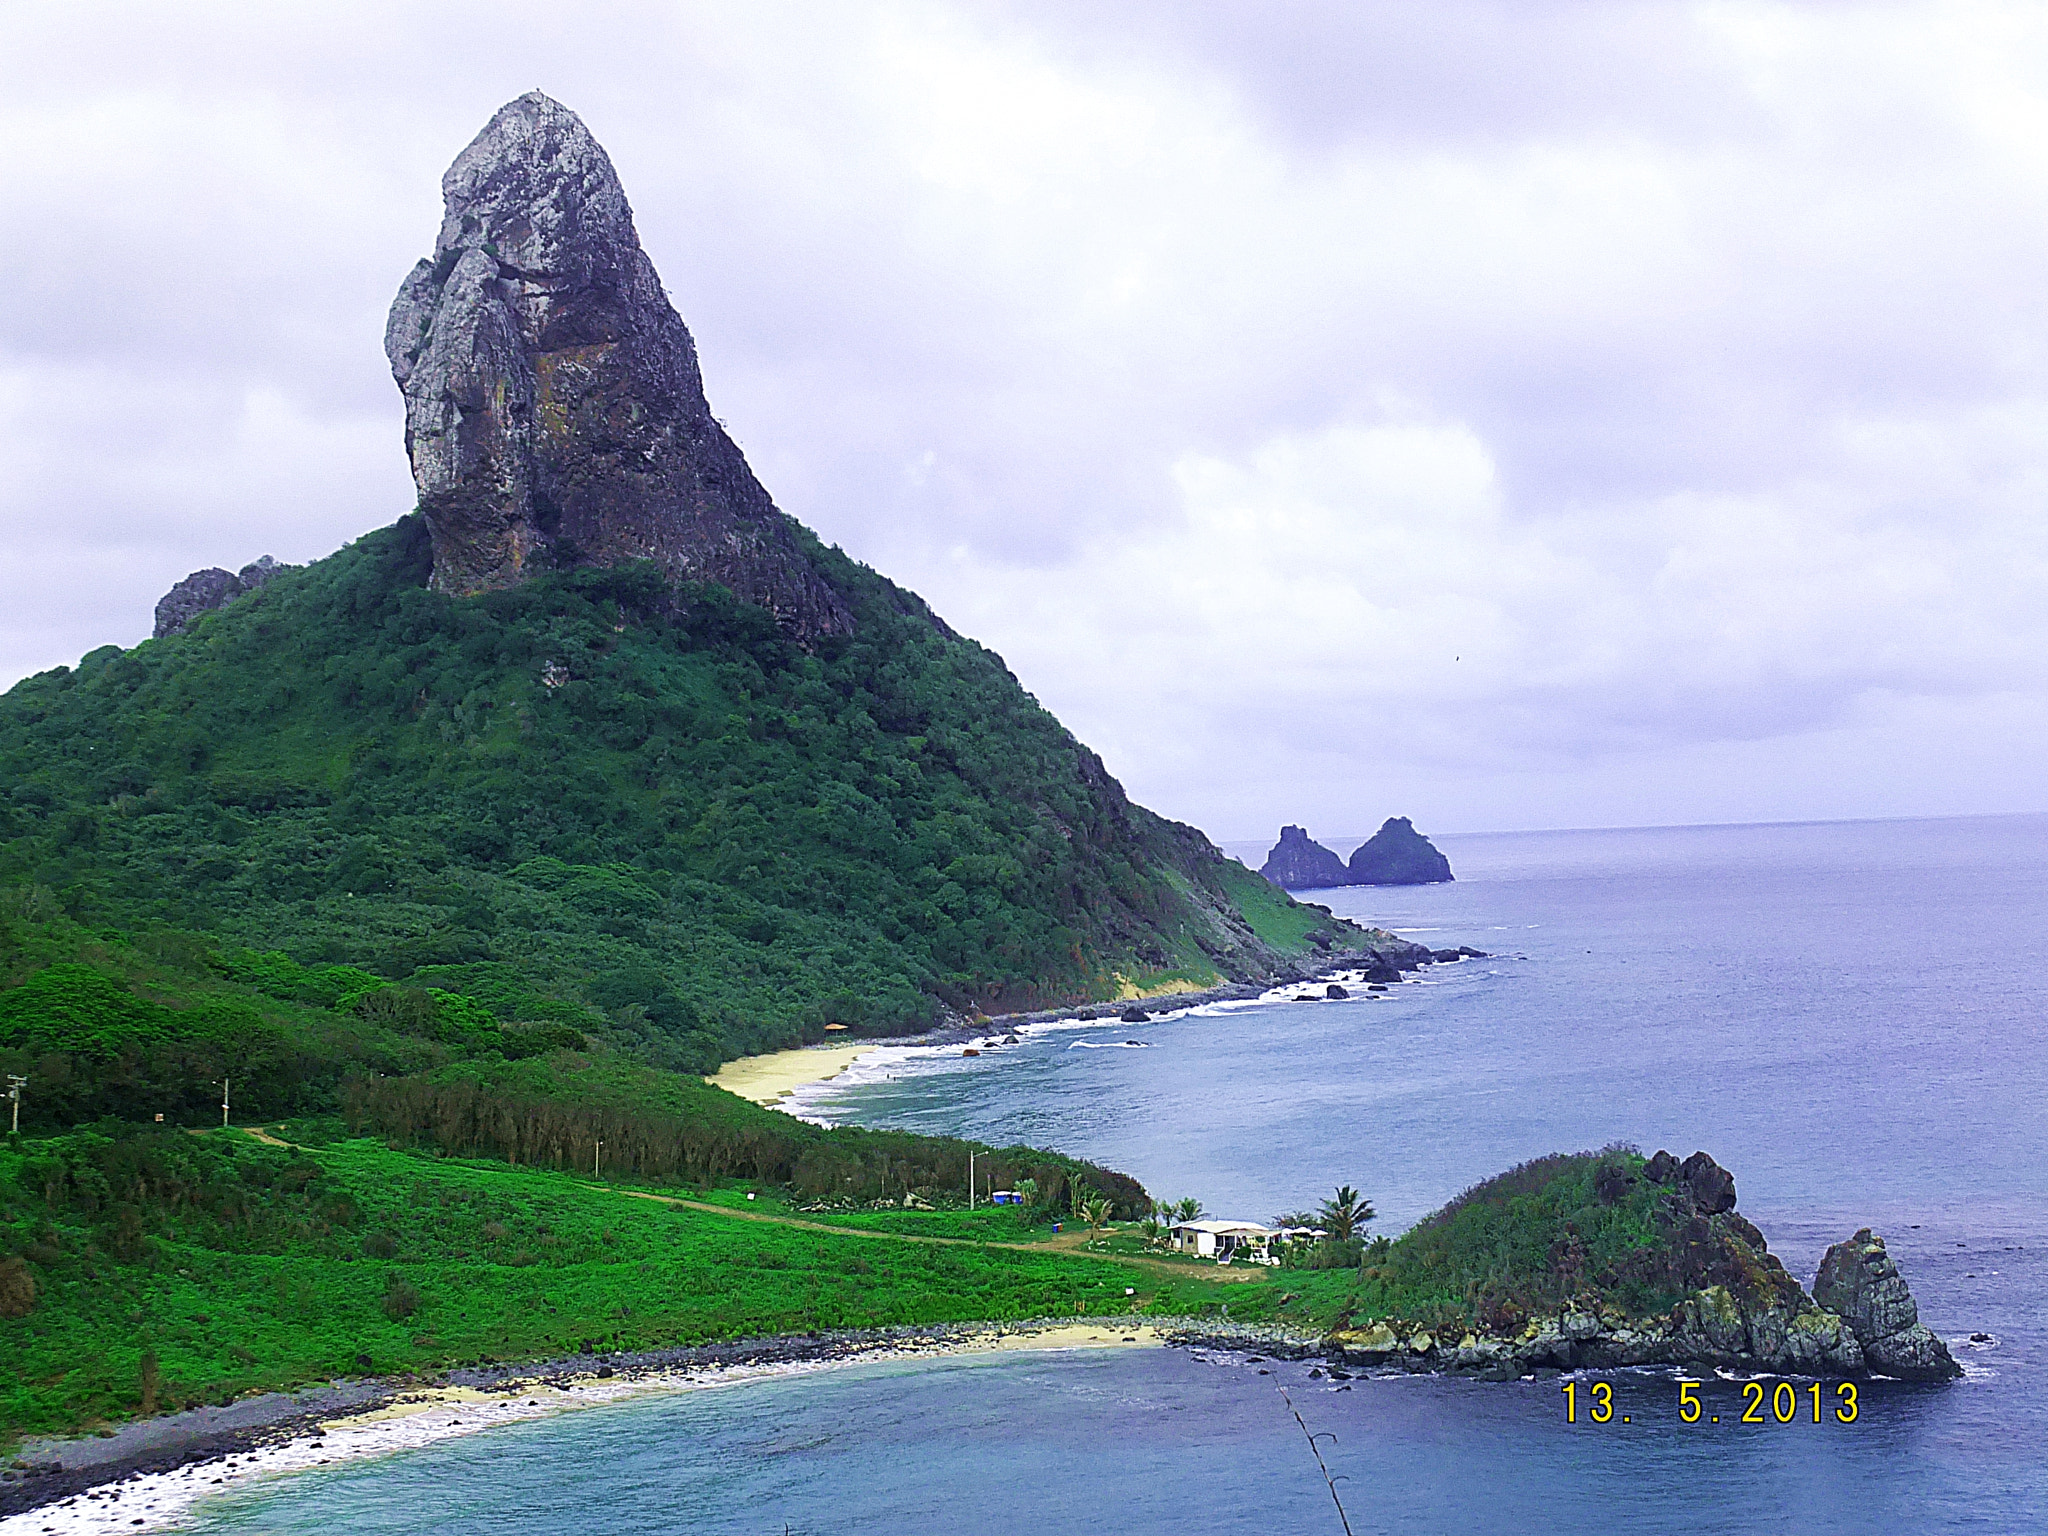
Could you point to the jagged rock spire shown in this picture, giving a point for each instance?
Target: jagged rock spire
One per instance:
(554, 409)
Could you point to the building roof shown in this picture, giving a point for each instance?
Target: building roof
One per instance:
(1219, 1228)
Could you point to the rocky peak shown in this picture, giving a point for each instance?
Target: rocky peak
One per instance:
(555, 414)
(1397, 854)
(204, 591)
(1298, 864)
(1860, 1283)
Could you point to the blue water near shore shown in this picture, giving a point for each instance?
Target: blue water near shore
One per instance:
(1849, 1016)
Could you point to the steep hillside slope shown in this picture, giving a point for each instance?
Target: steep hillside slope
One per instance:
(646, 802)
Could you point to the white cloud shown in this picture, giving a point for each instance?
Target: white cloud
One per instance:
(1508, 413)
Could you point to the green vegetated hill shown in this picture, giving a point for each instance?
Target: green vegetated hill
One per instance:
(597, 802)
(1525, 1243)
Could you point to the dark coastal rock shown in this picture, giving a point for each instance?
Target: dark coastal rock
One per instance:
(1860, 1281)
(1297, 864)
(1398, 855)
(555, 414)
(204, 591)
(1335, 990)
(1712, 1186)
(1133, 1016)
(1378, 968)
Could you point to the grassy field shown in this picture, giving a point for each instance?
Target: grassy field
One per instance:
(249, 1266)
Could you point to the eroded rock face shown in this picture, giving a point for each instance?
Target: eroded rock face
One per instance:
(1299, 864)
(204, 591)
(1860, 1281)
(554, 410)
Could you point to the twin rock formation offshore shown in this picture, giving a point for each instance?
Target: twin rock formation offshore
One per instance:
(554, 412)
(1739, 1307)
(1397, 854)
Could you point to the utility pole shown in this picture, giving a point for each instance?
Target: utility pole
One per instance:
(223, 1103)
(970, 1178)
(596, 1154)
(14, 1087)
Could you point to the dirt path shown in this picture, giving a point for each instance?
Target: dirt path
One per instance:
(1067, 1245)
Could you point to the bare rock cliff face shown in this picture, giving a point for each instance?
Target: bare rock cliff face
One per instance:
(554, 410)
(1859, 1281)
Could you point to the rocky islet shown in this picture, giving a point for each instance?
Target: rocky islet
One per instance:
(1395, 855)
(1740, 1308)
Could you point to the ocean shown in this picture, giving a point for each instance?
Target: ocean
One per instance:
(1846, 1015)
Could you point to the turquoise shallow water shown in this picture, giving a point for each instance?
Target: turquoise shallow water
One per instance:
(1848, 1016)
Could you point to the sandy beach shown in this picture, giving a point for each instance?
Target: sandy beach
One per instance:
(771, 1078)
(424, 1415)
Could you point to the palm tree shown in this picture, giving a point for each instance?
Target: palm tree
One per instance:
(1346, 1214)
(1297, 1219)
(1187, 1210)
(1095, 1211)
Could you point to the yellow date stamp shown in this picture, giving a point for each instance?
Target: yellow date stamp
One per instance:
(1780, 1403)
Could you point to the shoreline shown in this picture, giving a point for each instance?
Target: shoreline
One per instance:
(790, 1071)
(987, 1032)
(150, 1473)
(771, 1077)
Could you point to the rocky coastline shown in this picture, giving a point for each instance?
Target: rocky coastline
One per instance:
(1385, 961)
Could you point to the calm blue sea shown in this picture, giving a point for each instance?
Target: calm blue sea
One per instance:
(1847, 1015)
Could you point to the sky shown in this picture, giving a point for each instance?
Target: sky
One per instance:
(1501, 413)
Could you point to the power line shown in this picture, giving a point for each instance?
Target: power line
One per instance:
(1316, 1451)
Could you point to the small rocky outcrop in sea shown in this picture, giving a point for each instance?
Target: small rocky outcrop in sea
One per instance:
(1297, 864)
(1397, 854)
(204, 591)
(554, 412)
(1738, 1307)
(1859, 1282)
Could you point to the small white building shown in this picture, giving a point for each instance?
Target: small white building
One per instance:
(1225, 1241)
(1220, 1240)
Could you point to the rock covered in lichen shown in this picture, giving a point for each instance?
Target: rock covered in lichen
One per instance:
(555, 414)
(1861, 1282)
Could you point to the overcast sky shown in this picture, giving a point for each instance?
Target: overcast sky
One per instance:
(1503, 414)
